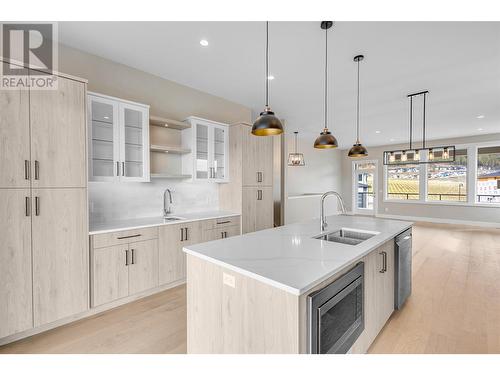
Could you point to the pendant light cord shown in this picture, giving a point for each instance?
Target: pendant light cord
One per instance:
(326, 78)
(411, 120)
(357, 114)
(296, 141)
(267, 64)
(423, 138)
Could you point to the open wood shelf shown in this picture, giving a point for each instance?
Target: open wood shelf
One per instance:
(168, 123)
(169, 149)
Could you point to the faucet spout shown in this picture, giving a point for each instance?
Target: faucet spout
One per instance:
(167, 209)
(341, 206)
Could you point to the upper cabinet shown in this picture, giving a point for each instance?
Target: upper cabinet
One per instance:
(118, 139)
(210, 150)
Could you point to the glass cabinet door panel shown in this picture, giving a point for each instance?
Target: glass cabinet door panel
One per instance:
(219, 147)
(202, 164)
(103, 134)
(134, 149)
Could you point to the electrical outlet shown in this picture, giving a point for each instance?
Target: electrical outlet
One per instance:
(228, 280)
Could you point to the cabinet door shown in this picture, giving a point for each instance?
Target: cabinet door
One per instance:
(201, 151)
(109, 274)
(249, 209)
(265, 209)
(15, 262)
(60, 253)
(250, 159)
(104, 138)
(232, 231)
(387, 284)
(170, 258)
(219, 157)
(14, 138)
(265, 161)
(143, 268)
(134, 143)
(58, 135)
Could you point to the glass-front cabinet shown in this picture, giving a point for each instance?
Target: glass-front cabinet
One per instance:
(118, 139)
(210, 151)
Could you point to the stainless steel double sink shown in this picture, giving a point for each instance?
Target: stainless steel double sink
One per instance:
(346, 236)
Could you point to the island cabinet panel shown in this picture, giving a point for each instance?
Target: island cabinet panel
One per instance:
(231, 313)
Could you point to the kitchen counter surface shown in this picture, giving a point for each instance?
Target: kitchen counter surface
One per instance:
(117, 225)
(290, 258)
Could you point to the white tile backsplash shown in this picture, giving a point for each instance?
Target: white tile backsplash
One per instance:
(111, 201)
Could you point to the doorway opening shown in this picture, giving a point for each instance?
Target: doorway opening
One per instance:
(364, 176)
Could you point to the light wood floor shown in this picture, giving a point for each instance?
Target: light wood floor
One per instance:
(454, 307)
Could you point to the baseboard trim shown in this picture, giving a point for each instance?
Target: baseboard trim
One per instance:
(441, 221)
(87, 313)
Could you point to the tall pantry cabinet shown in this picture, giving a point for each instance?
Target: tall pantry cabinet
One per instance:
(250, 190)
(43, 205)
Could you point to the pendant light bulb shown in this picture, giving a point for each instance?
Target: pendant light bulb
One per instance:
(417, 155)
(403, 156)
(392, 157)
(431, 154)
(326, 139)
(267, 123)
(446, 154)
(357, 150)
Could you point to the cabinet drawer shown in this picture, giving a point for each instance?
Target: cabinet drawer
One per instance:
(222, 222)
(124, 237)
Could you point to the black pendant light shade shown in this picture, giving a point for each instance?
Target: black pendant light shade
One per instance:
(326, 139)
(358, 150)
(267, 123)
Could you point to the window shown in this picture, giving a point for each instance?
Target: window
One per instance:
(488, 175)
(403, 182)
(448, 181)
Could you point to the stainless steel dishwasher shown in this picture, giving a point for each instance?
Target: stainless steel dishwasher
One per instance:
(402, 277)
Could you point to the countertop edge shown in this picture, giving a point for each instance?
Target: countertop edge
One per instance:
(103, 231)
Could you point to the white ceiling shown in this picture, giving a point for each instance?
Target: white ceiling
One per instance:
(458, 62)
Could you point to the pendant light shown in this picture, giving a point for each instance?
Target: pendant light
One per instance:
(357, 150)
(326, 139)
(296, 159)
(267, 123)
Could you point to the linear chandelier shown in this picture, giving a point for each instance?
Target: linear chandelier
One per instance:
(421, 155)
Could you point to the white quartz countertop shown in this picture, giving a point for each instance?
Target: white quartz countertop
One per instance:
(126, 224)
(290, 258)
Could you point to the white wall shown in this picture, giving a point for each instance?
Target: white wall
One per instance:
(110, 201)
(441, 212)
(322, 172)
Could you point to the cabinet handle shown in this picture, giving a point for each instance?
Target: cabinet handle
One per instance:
(225, 234)
(26, 169)
(223, 222)
(384, 262)
(123, 168)
(131, 236)
(221, 234)
(27, 206)
(186, 232)
(117, 169)
(126, 258)
(37, 170)
(259, 195)
(182, 234)
(37, 206)
(259, 176)
(133, 256)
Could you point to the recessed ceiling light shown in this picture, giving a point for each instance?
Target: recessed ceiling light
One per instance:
(204, 42)
(480, 129)
(377, 131)
(271, 77)
(480, 116)
(106, 117)
(392, 139)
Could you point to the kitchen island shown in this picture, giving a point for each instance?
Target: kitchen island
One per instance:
(250, 293)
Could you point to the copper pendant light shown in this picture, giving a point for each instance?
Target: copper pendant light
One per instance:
(326, 139)
(357, 150)
(267, 123)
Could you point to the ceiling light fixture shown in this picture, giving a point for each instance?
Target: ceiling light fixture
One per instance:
(267, 123)
(377, 131)
(480, 129)
(296, 159)
(480, 116)
(413, 155)
(204, 42)
(271, 77)
(358, 150)
(326, 139)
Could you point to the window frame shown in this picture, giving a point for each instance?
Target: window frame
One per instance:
(471, 178)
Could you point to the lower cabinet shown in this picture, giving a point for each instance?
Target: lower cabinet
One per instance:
(378, 294)
(123, 270)
(220, 233)
(257, 208)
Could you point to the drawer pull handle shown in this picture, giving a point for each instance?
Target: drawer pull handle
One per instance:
(27, 206)
(131, 236)
(126, 258)
(37, 170)
(133, 256)
(384, 262)
(223, 222)
(26, 170)
(182, 234)
(37, 206)
(186, 231)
